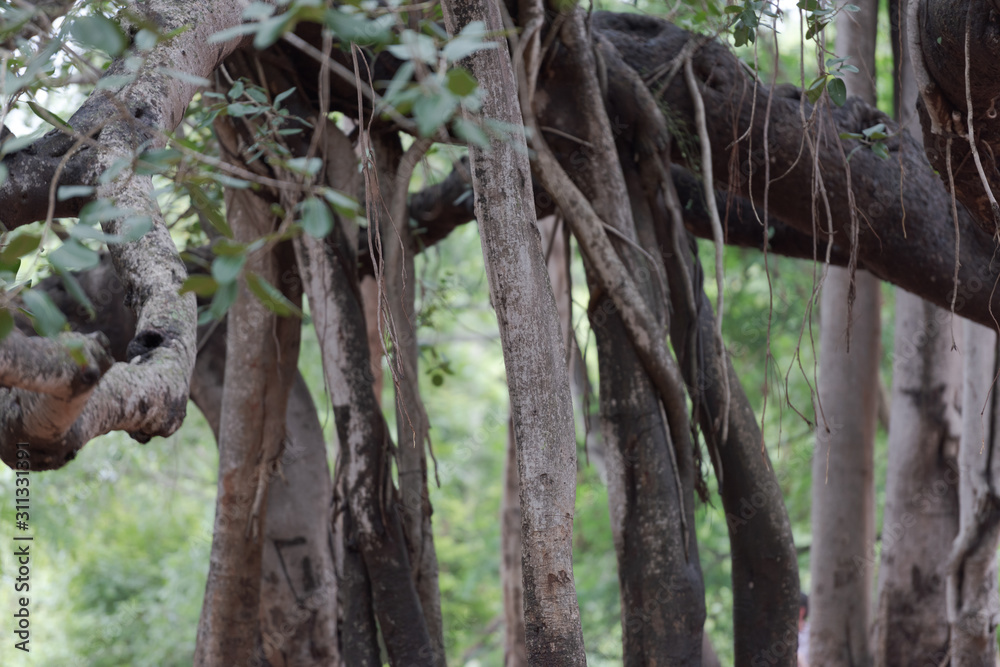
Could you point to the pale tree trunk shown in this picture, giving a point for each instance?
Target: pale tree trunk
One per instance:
(920, 519)
(555, 250)
(298, 614)
(973, 610)
(515, 652)
(921, 495)
(260, 372)
(298, 621)
(843, 493)
(843, 519)
(534, 355)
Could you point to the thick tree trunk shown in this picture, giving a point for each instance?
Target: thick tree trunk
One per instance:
(972, 568)
(260, 372)
(298, 611)
(843, 518)
(920, 518)
(921, 496)
(537, 376)
(298, 581)
(843, 487)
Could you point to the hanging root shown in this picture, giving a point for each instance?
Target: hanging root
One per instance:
(717, 236)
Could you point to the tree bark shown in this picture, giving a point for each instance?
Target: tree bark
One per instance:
(260, 373)
(843, 518)
(515, 651)
(972, 567)
(370, 502)
(920, 519)
(651, 469)
(843, 487)
(412, 424)
(537, 376)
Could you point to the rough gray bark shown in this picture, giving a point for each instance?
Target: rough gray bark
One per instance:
(298, 581)
(534, 355)
(843, 487)
(260, 370)
(148, 397)
(973, 612)
(921, 495)
(920, 518)
(298, 613)
(515, 651)
(733, 108)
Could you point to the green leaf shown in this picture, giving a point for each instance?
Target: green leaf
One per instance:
(344, 205)
(99, 32)
(880, 150)
(352, 27)
(6, 323)
(316, 219)
(460, 82)
(281, 96)
(224, 297)
(134, 227)
(258, 10)
(232, 33)
(70, 191)
(19, 246)
(72, 256)
(434, 110)
(157, 161)
(837, 90)
(472, 38)
(200, 284)
(307, 166)
(414, 46)
(75, 290)
(271, 30)
(270, 296)
(225, 268)
(46, 318)
(207, 208)
(49, 117)
(815, 89)
(228, 248)
(470, 132)
(733, 9)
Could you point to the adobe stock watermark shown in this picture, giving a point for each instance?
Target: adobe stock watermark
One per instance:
(22, 550)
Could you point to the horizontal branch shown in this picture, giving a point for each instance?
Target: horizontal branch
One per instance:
(907, 236)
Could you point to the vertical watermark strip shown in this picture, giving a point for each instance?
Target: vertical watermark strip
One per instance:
(22, 548)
